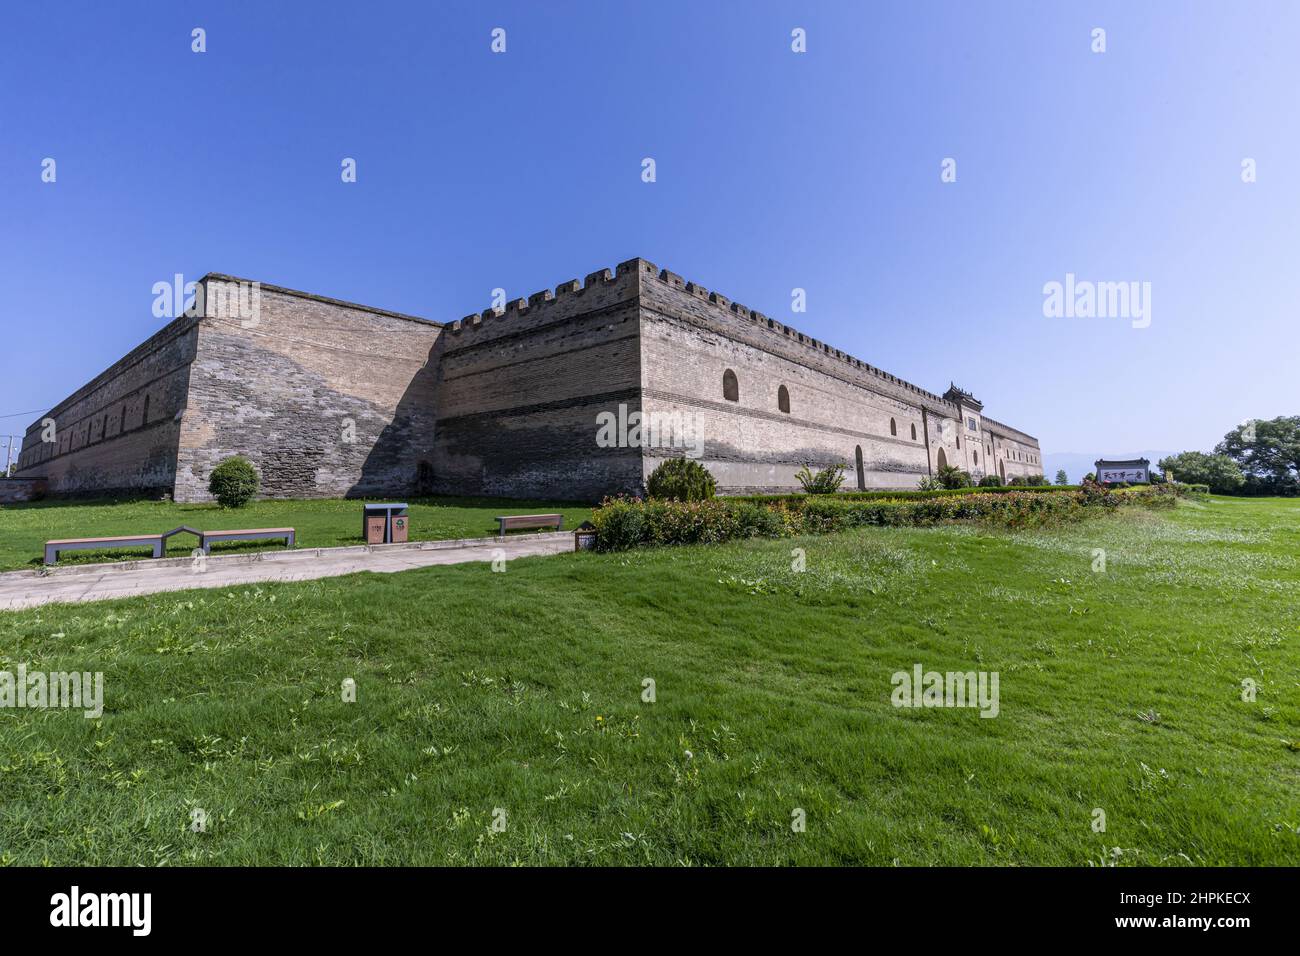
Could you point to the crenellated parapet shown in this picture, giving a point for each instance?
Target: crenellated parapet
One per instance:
(728, 310)
(568, 298)
(631, 278)
(1006, 431)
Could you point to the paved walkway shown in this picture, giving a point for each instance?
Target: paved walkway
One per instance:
(99, 582)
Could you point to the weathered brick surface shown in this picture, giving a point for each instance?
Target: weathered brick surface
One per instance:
(330, 398)
(327, 399)
(119, 431)
(15, 490)
(838, 405)
(521, 392)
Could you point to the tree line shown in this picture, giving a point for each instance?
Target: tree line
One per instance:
(1256, 458)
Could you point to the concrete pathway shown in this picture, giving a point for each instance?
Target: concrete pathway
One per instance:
(98, 582)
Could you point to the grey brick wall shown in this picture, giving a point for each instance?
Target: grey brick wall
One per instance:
(521, 391)
(334, 399)
(838, 404)
(326, 398)
(118, 433)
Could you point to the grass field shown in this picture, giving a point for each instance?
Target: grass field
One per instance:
(24, 529)
(521, 691)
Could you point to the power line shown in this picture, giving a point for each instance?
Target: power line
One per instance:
(19, 414)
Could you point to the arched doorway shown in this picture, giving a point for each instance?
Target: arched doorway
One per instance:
(862, 476)
(1002, 472)
(943, 460)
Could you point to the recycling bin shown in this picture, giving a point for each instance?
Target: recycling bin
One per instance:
(384, 523)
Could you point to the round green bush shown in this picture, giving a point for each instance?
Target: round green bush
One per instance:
(681, 479)
(234, 482)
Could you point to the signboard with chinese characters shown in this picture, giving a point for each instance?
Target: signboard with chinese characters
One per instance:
(1114, 475)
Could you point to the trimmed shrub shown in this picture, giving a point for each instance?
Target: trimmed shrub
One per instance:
(990, 481)
(234, 482)
(681, 479)
(825, 482)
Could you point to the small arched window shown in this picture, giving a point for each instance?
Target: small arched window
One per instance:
(783, 399)
(893, 427)
(975, 457)
(913, 431)
(730, 387)
(144, 419)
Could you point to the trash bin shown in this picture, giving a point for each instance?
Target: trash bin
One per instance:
(584, 539)
(384, 523)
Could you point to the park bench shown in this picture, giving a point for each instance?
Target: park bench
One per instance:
(512, 522)
(54, 548)
(208, 538)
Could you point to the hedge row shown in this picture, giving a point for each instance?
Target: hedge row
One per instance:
(906, 493)
(623, 523)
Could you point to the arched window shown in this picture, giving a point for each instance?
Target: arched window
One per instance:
(121, 422)
(958, 441)
(144, 419)
(975, 457)
(913, 431)
(893, 427)
(862, 475)
(783, 399)
(730, 387)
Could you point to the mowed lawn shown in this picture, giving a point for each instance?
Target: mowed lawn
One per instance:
(517, 697)
(24, 529)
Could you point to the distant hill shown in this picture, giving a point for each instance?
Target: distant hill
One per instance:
(1078, 464)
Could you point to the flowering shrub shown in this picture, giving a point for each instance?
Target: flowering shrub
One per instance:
(623, 523)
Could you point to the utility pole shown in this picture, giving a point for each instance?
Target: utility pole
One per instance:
(9, 454)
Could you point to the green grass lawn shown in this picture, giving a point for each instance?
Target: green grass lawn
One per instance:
(1119, 691)
(24, 529)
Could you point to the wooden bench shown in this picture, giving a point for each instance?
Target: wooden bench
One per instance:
(53, 548)
(208, 538)
(511, 522)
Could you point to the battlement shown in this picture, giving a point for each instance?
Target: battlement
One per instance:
(1006, 431)
(736, 311)
(539, 303)
(629, 278)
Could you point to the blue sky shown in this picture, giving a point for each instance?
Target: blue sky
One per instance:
(775, 170)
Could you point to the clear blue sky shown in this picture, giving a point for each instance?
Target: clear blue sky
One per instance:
(775, 171)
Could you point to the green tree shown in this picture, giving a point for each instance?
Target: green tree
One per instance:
(1220, 472)
(1061, 477)
(1268, 452)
